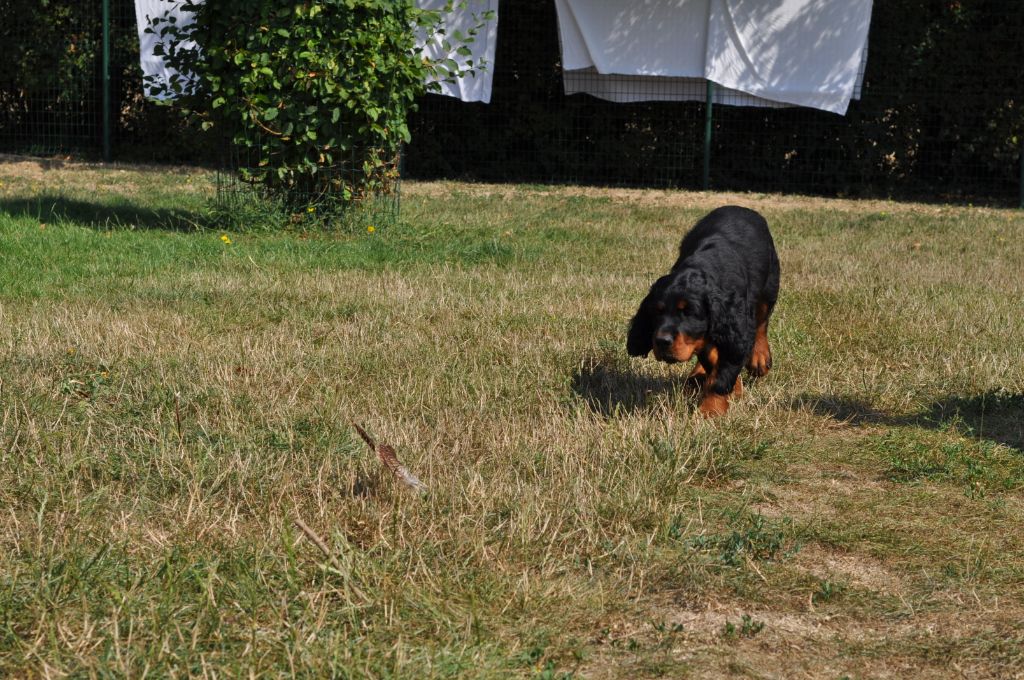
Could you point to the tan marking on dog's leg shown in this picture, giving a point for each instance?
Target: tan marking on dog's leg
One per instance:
(761, 357)
(714, 404)
(695, 381)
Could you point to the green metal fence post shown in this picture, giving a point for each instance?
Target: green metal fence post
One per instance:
(107, 155)
(707, 135)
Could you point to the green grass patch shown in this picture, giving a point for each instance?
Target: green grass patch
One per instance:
(978, 465)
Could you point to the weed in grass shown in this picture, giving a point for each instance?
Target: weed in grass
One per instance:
(85, 385)
(753, 537)
(668, 630)
(748, 627)
(827, 591)
(550, 672)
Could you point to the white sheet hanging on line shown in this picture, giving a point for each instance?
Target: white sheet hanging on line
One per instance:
(647, 38)
(803, 52)
(664, 49)
(474, 87)
(152, 65)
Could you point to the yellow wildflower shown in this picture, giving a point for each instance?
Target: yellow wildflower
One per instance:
(225, 239)
(370, 229)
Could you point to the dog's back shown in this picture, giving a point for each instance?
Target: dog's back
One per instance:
(733, 238)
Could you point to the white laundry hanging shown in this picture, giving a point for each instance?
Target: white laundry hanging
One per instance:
(154, 66)
(473, 87)
(476, 86)
(803, 52)
(758, 52)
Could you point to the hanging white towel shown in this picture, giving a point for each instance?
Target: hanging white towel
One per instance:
(473, 87)
(781, 52)
(646, 38)
(476, 86)
(153, 65)
(803, 52)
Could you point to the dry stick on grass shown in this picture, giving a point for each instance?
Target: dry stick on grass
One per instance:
(388, 456)
(335, 562)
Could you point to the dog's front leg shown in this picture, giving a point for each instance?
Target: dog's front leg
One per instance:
(722, 382)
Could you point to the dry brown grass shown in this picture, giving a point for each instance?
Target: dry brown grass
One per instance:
(171, 404)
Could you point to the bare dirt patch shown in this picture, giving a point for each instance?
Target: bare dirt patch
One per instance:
(726, 639)
(856, 570)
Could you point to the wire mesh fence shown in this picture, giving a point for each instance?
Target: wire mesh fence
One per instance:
(341, 196)
(50, 99)
(941, 116)
(53, 64)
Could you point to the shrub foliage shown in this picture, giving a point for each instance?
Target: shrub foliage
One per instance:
(315, 95)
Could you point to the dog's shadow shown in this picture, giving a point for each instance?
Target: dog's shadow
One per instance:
(608, 385)
(993, 416)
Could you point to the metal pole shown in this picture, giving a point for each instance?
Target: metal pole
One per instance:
(1022, 175)
(707, 135)
(107, 155)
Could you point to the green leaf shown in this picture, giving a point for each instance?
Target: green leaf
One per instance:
(270, 114)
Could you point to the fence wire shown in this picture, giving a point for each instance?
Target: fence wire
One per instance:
(51, 86)
(941, 116)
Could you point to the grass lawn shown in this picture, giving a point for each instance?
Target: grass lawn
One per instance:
(172, 401)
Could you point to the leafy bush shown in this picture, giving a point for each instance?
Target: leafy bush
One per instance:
(314, 96)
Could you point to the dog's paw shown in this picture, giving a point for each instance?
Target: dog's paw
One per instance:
(714, 405)
(760, 361)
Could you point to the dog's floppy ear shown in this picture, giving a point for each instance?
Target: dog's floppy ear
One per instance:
(641, 331)
(641, 328)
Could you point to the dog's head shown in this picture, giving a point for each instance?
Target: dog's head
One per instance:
(673, 320)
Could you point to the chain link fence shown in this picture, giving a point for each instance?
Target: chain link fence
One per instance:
(941, 116)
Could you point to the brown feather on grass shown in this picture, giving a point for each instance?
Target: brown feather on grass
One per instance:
(389, 458)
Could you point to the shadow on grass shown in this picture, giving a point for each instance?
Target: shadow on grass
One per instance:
(116, 215)
(606, 386)
(992, 416)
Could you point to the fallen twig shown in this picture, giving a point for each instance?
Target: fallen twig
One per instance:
(390, 460)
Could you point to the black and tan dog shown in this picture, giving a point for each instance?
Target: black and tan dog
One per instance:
(715, 303)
